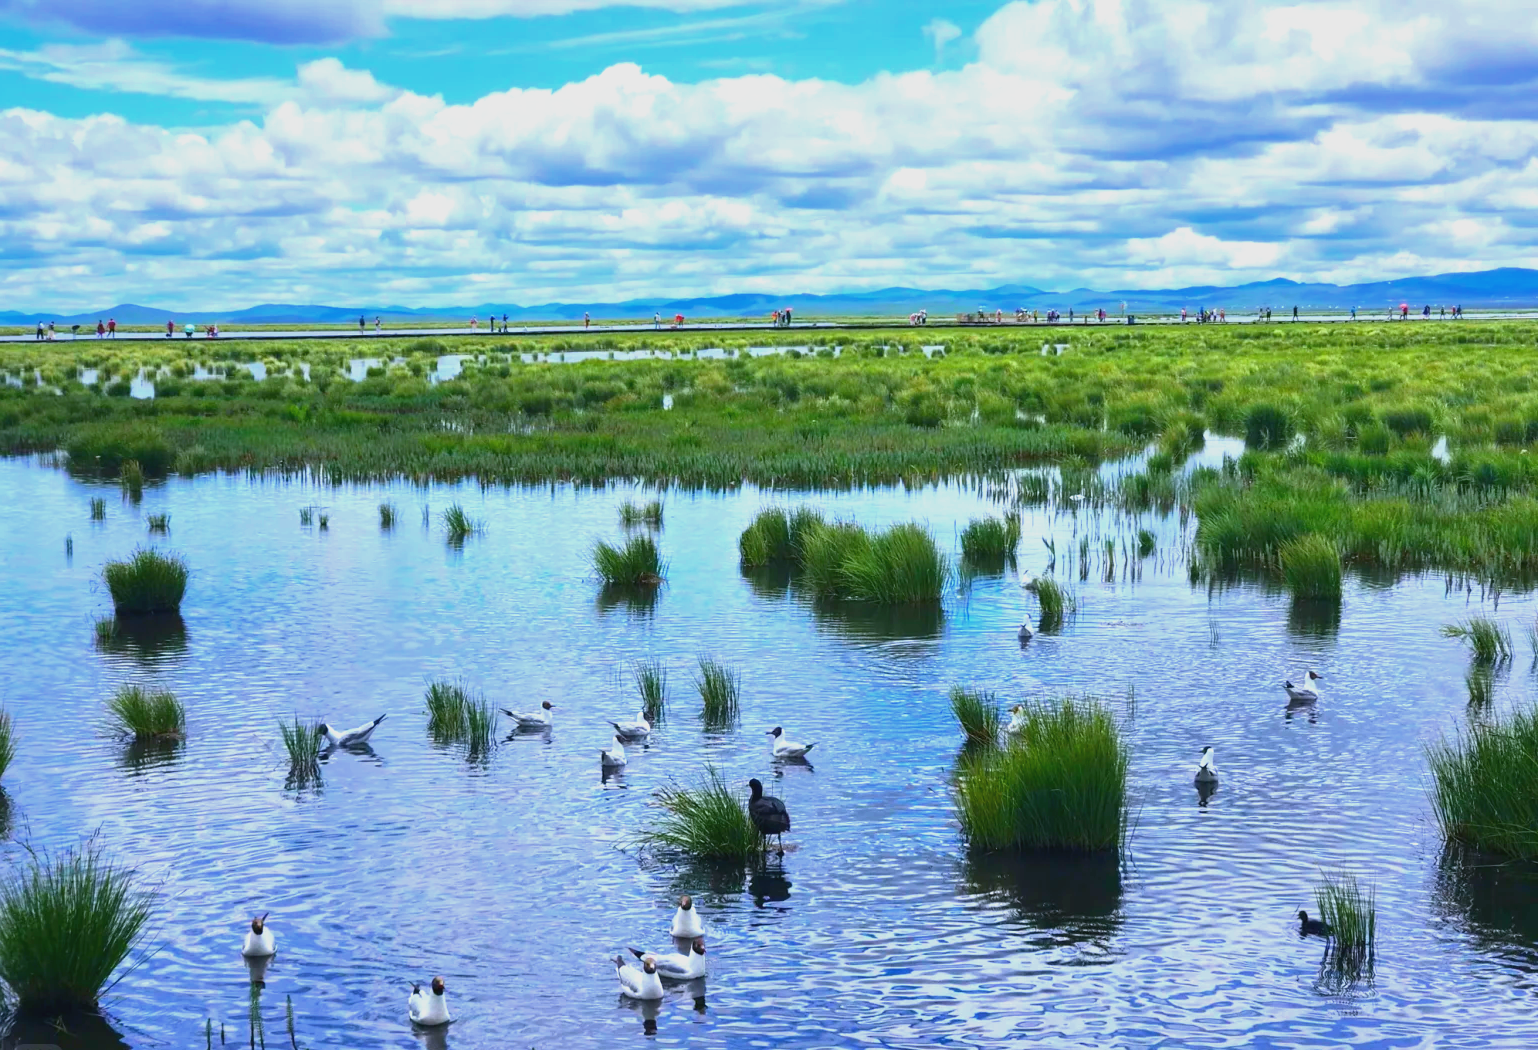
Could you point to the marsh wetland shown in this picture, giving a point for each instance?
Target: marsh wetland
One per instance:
(1215, 511)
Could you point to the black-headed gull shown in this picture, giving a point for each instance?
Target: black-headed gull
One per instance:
(1027, 630)
(1017, 720)
(532, 720)
(638, 984)
(1206, 772)
(687, 923)
(614, 756)
(677, 966)
(349, 737)
(633, 732)
(1307, 691)
(784, 747)
(260, 942)
(429, 1008)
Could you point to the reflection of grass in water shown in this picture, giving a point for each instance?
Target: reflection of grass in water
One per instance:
(1493, 897)
(977, 710)
(1481, 686)
(1077, 896)
(638, 602)
(98, 509)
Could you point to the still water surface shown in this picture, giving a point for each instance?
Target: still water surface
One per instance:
(517, 878)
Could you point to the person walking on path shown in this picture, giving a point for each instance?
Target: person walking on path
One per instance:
(170, 328)
(40, 331)
(112, 328)
(362, 326)
(1294, 313)
(586, 320)
(657, 319)
(51, 331)
(101, 329)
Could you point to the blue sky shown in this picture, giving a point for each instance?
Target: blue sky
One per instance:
(427, 152)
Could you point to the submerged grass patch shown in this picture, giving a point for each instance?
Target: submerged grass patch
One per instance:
(637, 563)
(651, 680)
(1487, 640)
(1061, 784)
(149, 583)
(977, 711)
(146, 714)
(1484, 785)
(719, 687)
(1311, 567)
(990, 539)
(67, 922)
(708, 821)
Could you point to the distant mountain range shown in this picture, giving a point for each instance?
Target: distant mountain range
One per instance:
(1508, 288)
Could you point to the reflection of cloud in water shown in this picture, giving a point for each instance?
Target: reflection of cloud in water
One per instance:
(1073, 898)
(1495, 901)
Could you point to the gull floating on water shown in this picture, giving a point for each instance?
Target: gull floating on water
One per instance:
(1206, 772)
(638, 984)
(429, 1008)
(784, 747)
(677, 966)
(1027, 630)
(1028, 579)
(1017, 720)
(350, 737)
(686, 921)
(260, 942)
(636, 731)
(537, 720)
(1305, 693)
(613, 757)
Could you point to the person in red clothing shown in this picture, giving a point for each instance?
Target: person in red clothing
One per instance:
(112, 328)
(170, 328)
(678, 319)
(101, 329)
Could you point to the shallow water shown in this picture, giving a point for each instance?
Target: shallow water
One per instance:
(517, 877)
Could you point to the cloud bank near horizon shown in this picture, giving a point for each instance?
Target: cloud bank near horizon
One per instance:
(1089, 142)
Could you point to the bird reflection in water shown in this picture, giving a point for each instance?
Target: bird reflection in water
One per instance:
(257, 965)
(1204, 793)
(769, 884)
(611, 776)
(649, 1009)
(435, 1037)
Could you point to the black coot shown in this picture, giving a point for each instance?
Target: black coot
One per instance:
(767, 814)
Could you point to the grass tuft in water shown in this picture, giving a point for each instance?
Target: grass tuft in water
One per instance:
(306, 516)
(1350, 911)
(1487, 640)
(301, 739)
(1057, 604)
(147, 714)
(707, 821)
(1146, 541)
(649, 514)
(67, 921)
(160, 523)
(446, 703)
(638, 563)
(1484, 786)
(767, 540)
(1061, 784)
(990, 539)
(651, 679)
(98, 509)
(977, 710)
(7, 741)
(106, 630)
(1311, 567)
(387, 516)
(147, 584)
(132, 479)
(719, 687)
(459, 524)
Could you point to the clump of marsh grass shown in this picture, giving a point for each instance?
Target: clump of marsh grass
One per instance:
(900, 566)
(1146, 542)
(480, 726)
(446, 703)
(1061, 784)
(301, 739)
(387, 516)
(459, 524)
(106, 630)
(649, 514)
(719, 687)
(977, 710)
(990, 539)
(7, 741)
(1056, 601)
(1487, 640)
(766, 540)
(67, 921)
(707, 821)
(148, 583)
(651, 679)
(160, 523)
(637, 564)
(132, 479)
(306, 516)
(1484, 786)
(98, 509)
(325, 521)
(1311, 567)
(146, 714)
(1350, 912)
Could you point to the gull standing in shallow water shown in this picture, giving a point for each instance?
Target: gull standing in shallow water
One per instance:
(536, 720)
(260, 942)
(1206, 772)
(687, 924)
(638, 984)
(613, 757)
(1306, 693)
(349, 737)
(677, 966)
(784, 747)
(429, 1008)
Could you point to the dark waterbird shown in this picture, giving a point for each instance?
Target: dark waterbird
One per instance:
(768, 814)
(1312, 927)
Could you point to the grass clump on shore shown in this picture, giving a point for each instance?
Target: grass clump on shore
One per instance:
(636, 564)
(149, 583)
(990, 539)
(147, 714)
(720, 688)
(387, 514)
(459, 525)
(649, 514)
(1056, 602)
(708, 822)
(1487, 640)
(67, 921)
(1061, 784)
(1311, 567)
(651, 679)
(977, 711)
(1484, 786)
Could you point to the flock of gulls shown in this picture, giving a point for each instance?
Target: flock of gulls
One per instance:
(640, 980)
